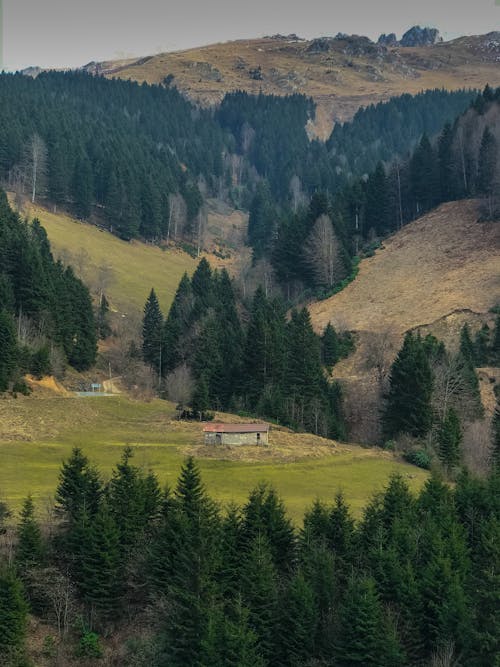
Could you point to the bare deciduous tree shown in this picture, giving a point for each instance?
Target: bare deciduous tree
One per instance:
(180, 385)
(323, 253)
(35, 165)
(380, 353)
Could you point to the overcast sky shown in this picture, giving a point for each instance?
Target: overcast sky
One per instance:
(58, 33)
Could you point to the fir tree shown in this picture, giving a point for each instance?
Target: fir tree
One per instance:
(408, 406)
(361, 639)
(152, 325)
(13, 613)
(101, 576)
(79, 487)
(487, 162)
(449, 438)
(259, 592)
(495, 343)
(330, 346)
(8, 350)
(29, 548)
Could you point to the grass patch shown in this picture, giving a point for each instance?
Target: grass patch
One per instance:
(136, 266)
(31, 458)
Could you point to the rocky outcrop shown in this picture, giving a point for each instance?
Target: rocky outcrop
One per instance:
(418, 36)
(415, 36)
(388, 40)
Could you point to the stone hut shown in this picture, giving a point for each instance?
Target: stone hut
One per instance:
(236, 434)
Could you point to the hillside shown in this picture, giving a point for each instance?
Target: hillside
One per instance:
(443, 262)
(36, 434)
(340, 74)
(434, 275)
(127, 270)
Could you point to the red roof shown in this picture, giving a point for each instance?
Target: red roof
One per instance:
(235, 428)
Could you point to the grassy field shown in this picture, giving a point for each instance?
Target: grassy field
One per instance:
(135, 266)
(36, 434)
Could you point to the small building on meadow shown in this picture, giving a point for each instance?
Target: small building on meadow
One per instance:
(236, 434)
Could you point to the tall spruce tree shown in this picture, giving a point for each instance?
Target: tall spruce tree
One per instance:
(152, 326)
(13, 614)
(30, 549)
(449, 438)
(8, 350)
(495, 441)
(408, 406)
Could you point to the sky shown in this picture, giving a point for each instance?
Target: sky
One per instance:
(69, 33)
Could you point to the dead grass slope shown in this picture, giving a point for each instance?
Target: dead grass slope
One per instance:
(340, 79)
(442, 263)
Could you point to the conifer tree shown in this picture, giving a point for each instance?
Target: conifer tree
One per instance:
(466, 359)
(29, 548)
(361, 637)
(79, 487)
(449, 438)
(13, 613)
(202, 286)
(8, 350)
(495, 441)
(100, 568)
(190, 560)
(83, 188)
(296, 624)
(259, 592)
(481, 345)
(152, 325)
(229, 642)
(408, 406)
(200, 401)
(330, 346)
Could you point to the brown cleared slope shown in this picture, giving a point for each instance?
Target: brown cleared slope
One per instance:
(443, 262)
(340, 79)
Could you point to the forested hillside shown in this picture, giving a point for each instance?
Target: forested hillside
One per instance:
(141, 159)
(46, 315)
(315, 247)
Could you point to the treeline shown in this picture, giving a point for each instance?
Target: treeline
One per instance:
(314, 247)
(45, 311)
(272, 136)
(215, 355)
(414, 582)
(114, 147)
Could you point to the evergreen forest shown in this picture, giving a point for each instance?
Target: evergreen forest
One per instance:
(183, 581)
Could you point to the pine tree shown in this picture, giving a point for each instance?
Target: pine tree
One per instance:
(330, 346)
(408, 406)
(481, 345)
(200, 401)
(133, 502)
(29, 548)
(449, 438)
(424, 177)
(13, 613)
(202, 286)
(101, 576)
(259, 592)
(8, 350)
(377, 201)
(152, 325)
(466, 359)
(79, 488)
(361, 639)
(294, 642)
(446, 164)
(229, 642)
(190, 560)
(102, 321)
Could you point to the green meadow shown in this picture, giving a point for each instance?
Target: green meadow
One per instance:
(36, 435)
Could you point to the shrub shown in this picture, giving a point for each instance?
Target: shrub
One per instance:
(89, 646)
(419, 458)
